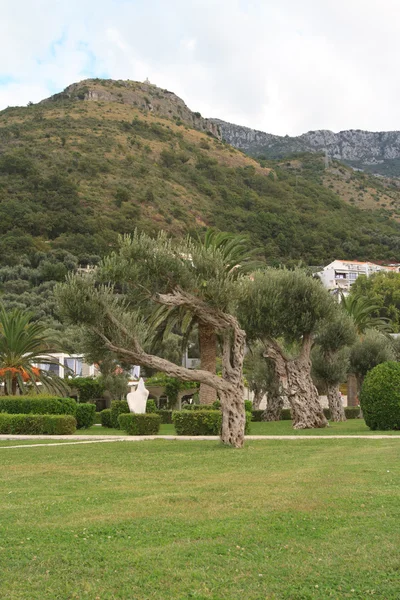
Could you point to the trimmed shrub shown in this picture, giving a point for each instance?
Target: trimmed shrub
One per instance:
(133, 424)
(257, 415)
(151, 406)
(105, 416)
(118, 407)
(248, 405)
(352, 412)
(286, 414)
(380, 397)
(206, 422)
(24, 424)
(37, 405)
(166, 416)
(199, 407)
(85, 415)
(197, 422)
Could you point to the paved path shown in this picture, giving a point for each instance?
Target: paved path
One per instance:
(96, 439)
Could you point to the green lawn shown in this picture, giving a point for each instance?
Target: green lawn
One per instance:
(350, 427)
(167, 519)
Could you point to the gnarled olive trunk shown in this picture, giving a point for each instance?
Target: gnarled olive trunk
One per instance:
(208, 360)
(233, 417)
(303, 396)
(274, 407)
(298, 386)
(257, 398)
(335, 403)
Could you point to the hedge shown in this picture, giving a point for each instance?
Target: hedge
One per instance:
(37, 405)
(140, 424)
(352, 412)
(198, 422)
(105, 416)
(118, 407)
(380, 397)
(286, 415)
(24, 424)
(198, 407)
(166, 416)
(257, 415)
(151, 406)
(85, 415)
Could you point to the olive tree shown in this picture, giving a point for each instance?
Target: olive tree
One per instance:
(278, 307)
(369, 351)
(330, 358)
(114, 303)
(262, 380)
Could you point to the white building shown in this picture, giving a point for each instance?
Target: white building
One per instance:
(341, 274)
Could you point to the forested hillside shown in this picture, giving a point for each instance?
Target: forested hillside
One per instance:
(78, 170)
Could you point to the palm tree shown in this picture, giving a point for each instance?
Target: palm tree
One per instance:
(363, 312)
(22, 344)
(225, 257)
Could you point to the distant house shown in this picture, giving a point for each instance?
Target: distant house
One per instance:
(68, 365)
(340, 275)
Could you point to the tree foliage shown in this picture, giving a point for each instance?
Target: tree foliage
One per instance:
(382, 291)
(24, 343)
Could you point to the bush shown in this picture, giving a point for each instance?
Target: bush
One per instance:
(197, 422)
(24, 424)
(38, 405)
(118, 407)
(85, 415)
(216, 404)
(352, 412)
(166, 416)
(199, 407)
(151, 406)
(257, 415)
(286, 415)
(380, 397)
(105, 416)
(248, 405)
(201, 422)
(88, 388)
(133, 424)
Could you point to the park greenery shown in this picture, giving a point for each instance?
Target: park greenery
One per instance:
(163, 519)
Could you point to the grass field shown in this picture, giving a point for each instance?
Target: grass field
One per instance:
(350, 427)
(165, 519)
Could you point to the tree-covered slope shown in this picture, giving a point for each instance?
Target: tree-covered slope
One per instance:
(82, 168)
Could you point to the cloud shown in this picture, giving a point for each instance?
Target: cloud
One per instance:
(276, 65)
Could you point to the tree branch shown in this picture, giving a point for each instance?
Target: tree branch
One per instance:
(216, 318)
(139, 356)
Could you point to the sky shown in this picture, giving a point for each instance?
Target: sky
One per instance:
(281, 66)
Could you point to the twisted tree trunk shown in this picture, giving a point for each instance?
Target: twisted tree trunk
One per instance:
(258, 395)
(233, 417)
(335, 403)
(274, 407)
(229, 386)
(295, 377)
(208, 360)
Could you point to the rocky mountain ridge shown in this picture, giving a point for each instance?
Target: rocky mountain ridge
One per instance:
(145, 96)
(376, 152)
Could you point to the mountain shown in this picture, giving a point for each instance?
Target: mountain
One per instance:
(104, 157)
(377, 153)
